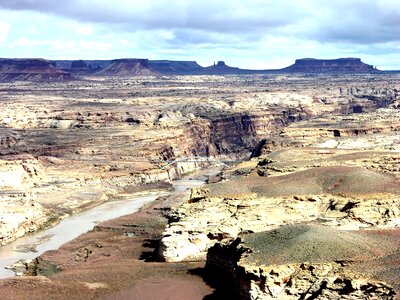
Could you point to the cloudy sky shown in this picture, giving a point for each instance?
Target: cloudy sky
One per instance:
(245, 33)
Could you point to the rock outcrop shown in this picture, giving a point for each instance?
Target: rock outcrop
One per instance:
(303, 262)
(20, 212)
(39, 70)
(206, 220)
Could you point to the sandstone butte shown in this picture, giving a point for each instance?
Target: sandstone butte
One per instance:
(308, 206)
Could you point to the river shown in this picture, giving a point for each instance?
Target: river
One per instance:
(73, 226)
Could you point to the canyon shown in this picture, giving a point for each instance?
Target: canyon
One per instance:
(306, 207)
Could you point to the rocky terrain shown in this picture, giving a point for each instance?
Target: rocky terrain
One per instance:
(313, 176)
(307, 262)
(311, 166)
(70, 145)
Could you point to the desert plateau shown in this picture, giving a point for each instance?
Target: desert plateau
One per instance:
(290, 190)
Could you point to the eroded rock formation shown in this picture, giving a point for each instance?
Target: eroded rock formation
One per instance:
(303, 262)
(77, 144)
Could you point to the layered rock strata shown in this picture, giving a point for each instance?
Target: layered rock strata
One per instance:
(340, 183)
(322, 195)
(96, 144)
(100, 139)
(97, 140)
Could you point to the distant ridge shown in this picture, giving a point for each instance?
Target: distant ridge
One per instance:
(175, 67)
(171, 67)
(45, 70)
(92, 66)
(128, 67)
(346, 65)
(31, 69)
(222, 68)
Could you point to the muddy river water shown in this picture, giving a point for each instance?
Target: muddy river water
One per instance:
(33, 245)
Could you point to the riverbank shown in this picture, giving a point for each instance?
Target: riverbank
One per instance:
(115, 260)
(32, 245)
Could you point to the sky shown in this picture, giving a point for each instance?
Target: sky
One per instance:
(257, 34)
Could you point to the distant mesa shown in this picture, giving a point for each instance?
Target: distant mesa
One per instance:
(82, 67)
(31, 69)
(144, 67)
(175, 67)
(167, 67)
(45, 70)
(340, 65)
(128, 67)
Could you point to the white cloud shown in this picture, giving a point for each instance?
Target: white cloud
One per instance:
(4, 30)
(79, 28)
(94, 45)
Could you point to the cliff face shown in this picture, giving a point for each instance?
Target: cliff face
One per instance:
(31, 70)
(128, 67)
(311, 65)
